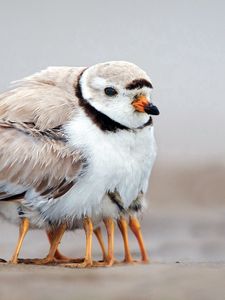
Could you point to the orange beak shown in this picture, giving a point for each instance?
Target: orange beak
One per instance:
(140, 103)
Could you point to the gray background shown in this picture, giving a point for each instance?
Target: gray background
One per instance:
(179, 43)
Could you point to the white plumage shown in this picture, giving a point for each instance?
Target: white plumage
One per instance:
(117, 158)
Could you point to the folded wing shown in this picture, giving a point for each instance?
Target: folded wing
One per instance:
(41, 161)
(46, 99)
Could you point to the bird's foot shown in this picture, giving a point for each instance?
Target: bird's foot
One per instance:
(134, 261)
(68, 260)
(64, 259)
(130, 261)
(2, 260)
(105, 263)
(38, 261)
(48, 261)
(145, 261)
(14, 260)
(85, 263)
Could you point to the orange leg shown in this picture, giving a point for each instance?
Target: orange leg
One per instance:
(98, 234)
(24, 226)
(109, 224)
(58, 257)
(50, 258)
(109, 259)
(136, 228)
(51, 235)
(122, 224)
(63, 259)
(87, 262)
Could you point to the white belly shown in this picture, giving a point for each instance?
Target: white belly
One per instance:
(121, 161)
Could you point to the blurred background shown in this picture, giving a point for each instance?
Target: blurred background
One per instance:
(181, 44)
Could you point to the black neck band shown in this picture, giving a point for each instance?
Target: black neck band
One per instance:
(101, 120)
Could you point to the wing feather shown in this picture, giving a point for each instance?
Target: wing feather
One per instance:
(37, 160)
(46, 99)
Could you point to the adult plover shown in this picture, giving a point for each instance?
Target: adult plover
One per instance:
(78, 145)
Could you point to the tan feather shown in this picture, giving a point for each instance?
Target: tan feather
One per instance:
(37, 159)
(46, 99)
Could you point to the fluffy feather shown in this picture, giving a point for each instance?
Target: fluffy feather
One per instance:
(119, 160)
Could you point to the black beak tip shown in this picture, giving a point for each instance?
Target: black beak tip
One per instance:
(152, 110)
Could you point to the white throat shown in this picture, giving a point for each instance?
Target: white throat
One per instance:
(119, 109)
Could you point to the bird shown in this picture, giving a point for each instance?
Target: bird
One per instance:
(78, 147)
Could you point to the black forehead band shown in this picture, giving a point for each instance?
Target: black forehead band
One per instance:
(138, 84)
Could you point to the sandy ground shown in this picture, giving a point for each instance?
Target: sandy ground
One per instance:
(156, 281)
(184, 231)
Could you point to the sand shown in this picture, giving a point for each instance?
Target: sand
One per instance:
(155, 281)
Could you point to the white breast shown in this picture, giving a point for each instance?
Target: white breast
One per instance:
(121, 161)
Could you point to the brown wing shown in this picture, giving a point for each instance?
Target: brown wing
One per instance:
(46, 99)
(34, 159)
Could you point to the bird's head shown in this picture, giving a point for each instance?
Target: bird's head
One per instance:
(119, 90)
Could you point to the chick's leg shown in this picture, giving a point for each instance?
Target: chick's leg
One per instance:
(87, 261)
(98, 234)
(122, 224)
(24, 226)
(109, 259)
(109, 224)
(50, 258)
(136, 228)
(59, 257)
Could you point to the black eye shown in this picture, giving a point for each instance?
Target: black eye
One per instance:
(110, 91)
